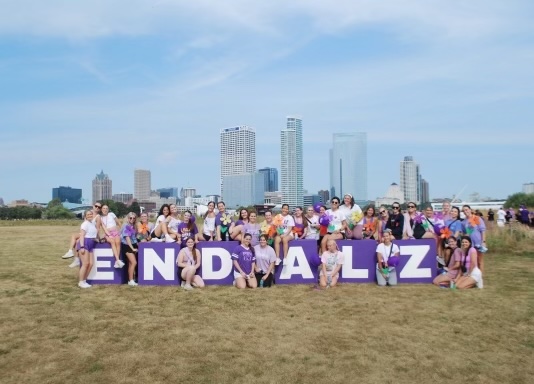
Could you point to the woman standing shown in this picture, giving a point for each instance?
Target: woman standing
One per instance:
(265, 258)
(337, 226)
(208, 229)
(469, 275)
(188, 263)
(253, 228)
(386, 272)
(129, 246)
(75, 237)
(348, 208)
(86, 244)
(187, 229)
(454, 226)
(331, 263)
(244, 261)
(111, 225)
(474, 227)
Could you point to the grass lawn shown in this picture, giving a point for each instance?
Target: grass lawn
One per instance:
(54, 332)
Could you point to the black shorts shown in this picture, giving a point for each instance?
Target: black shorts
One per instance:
(268, 281)
(125, 248)
(206, 237)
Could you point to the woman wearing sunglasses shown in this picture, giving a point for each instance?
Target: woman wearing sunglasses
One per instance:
(396, 222)
(337, 226)
(383, 217)
(129, 245)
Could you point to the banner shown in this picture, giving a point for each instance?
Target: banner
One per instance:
(157, 263)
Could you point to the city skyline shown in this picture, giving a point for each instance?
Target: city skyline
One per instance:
(291, 163)
(158, 80)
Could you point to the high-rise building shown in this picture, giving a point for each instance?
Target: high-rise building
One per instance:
(324, 195)
(238, 152)
(292, 185)
(271, 179)
(243, 190)
(102, 187)
(187, 192)
(72, 195)
(410, 177)
(168, 192)
(425, 191)
(348, 165)
(142, 184)
(122, 197)
(528, 188)
(311, 200)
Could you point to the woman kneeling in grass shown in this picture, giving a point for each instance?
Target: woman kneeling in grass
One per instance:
(86, 244)
(332, 260)
(449, 277)
(470, 275)
(244, 263)
(188, 263)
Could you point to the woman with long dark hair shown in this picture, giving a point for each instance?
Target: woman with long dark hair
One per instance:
(470, 275)
(244, 260)
(187, 229)
(188, 263)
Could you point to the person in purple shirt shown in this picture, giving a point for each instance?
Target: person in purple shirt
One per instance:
(474, 227)
(253, 228)
(222, 223)
(187, 229)
(236, 228)
(523, 213)
(244, 260)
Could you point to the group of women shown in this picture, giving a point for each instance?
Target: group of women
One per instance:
(261, 245)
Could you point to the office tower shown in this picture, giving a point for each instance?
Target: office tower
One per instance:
(102, 187)
(122, 197)
(238, 152)
(324, 195)
(410, 180)
(311, 200)
(168, 192)
(271, 178)
(141, 184)
(425, 191)
(348, 165)
(291, 162)
(528, 188)
(244, 190)
(187, 192)
(72, 195)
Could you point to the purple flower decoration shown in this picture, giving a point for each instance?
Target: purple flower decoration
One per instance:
(315, 261)
(393, 261)
(324, 220)
(192, 218)
(438, 216)
(437, 228)
(129, 231)
(317, 207)
(418, 218)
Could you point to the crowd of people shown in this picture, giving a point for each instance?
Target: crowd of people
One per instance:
(460, 237)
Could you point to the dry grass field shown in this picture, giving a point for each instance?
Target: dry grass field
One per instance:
(54, 332)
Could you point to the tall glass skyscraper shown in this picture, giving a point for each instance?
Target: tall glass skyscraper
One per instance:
(348, 165)
(410, 180)
(271, 178)
(238, 152)
(142, 184)
(291, 163)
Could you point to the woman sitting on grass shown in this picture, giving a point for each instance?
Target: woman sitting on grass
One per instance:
(331, 263)
(188, 263)
(386, 252)
(445, 279)
(244, 260)
(470, 275)
(86, 244)
(129, 245)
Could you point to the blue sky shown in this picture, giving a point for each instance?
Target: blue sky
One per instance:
(118, 85)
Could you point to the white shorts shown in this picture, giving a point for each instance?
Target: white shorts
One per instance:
(237, 274)
(476, 275)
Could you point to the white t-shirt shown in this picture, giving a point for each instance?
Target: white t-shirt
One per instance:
(330, 260)
(347, 211)
(90, 229)
(387, 250)
(209, 226)
(313, 233)
(288, 223)
(264, 257)
(174, 222)
(109, 220)
(501, 215)
(337, 219)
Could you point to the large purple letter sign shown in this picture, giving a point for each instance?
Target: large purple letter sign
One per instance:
(103, 271)
(157, 263)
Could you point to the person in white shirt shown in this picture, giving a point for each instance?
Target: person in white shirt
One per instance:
(501, 217)
(285, 233)
(311, 232)
(331, 263)
(337, 226)
(85, 246)
(110, 224)
(386, 273)
(348, 207)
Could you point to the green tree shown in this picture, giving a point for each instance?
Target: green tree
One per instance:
(517, 199)
(55, 203)
(58, 212)
(122, 209)
(135, 208)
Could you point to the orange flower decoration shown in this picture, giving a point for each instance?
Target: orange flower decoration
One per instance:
(297, 231)
(474, 220)
(369, 227)
(445, 233)
(143, 228)
(278, 220)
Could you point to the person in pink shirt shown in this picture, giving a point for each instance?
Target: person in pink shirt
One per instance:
(449, 277)
(470, 275)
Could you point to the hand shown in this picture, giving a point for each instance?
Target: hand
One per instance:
(264, 277)
(243, 275)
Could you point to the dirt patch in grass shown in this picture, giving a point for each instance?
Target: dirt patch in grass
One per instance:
(53, 332)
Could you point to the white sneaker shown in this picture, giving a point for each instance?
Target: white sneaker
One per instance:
(121, 263)
(183, 284)
(188, 287)
(169, 239)
(132, 283)
(481, 283)
(68, 255)
(284, 262)
(117, 264)
(278, 261)
(75, 263)
(156, 240)
(83, 284)
(86, 283)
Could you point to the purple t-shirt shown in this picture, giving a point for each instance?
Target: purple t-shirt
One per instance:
(218, 222)
(474, 232)
(245, 258)
(454, 225)
(186, 233)
(254, 230)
